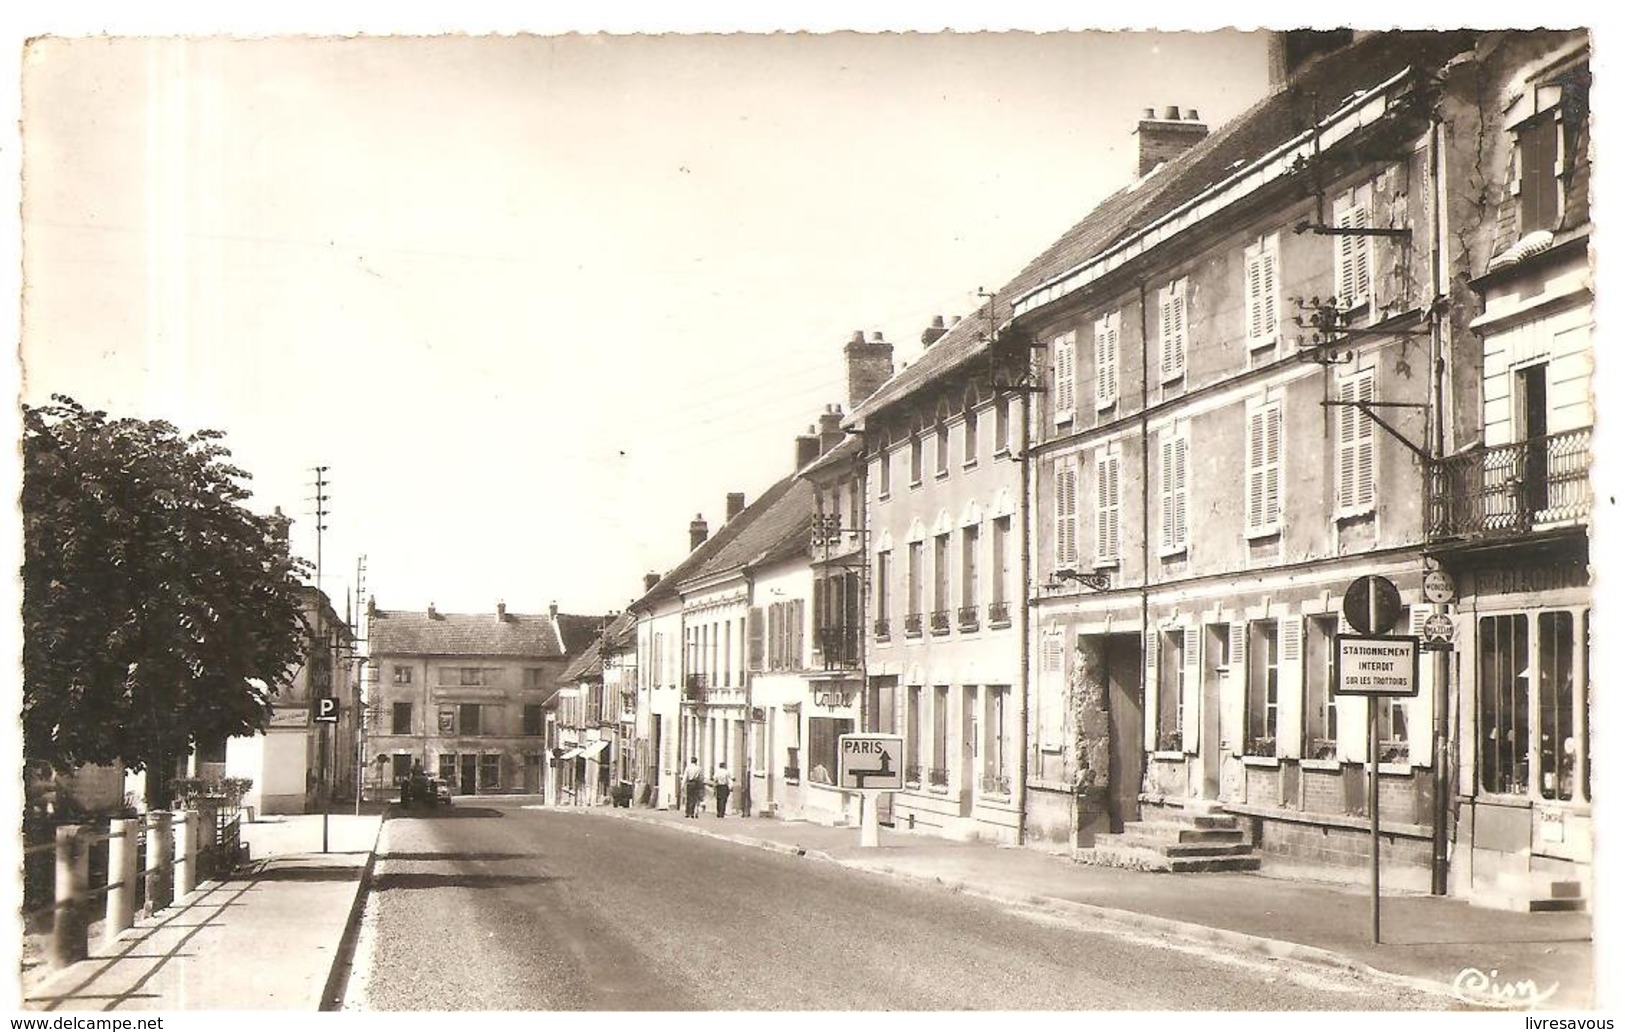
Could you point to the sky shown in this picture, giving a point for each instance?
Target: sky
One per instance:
(537, 301)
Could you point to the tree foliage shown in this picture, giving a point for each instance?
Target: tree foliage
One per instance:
(153, 600)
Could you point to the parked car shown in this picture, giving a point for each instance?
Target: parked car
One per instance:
(442, 791)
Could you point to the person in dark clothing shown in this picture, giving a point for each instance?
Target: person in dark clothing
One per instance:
(693, 787)
(723, 783)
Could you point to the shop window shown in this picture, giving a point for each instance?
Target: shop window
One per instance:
(1503, 704)
(490, 771)
(448, 768)
(823, 747)
(1559, 736)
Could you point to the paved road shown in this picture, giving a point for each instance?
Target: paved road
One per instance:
(502, 908)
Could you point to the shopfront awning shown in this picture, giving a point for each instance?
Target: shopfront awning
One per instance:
(592, 749)
(570, 754)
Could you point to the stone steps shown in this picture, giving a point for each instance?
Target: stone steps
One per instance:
(1175, 841)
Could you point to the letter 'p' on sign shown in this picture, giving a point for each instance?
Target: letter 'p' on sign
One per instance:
(325, 709)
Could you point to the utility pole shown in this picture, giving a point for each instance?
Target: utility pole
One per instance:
(360, 683)
(324, 669)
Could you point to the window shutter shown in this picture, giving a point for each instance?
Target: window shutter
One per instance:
(1235, 696)
(1179, 330)
(1152, 685)
(1065, 376)
(1419, 715)
(1066, 514)
(1353, 257)
(1269, 314)
(1272, 467)
(1106, 507)
(798, 631)
(1365, 459)
(1165, 493)
(1255, 298)
(754, 626)
(1289, 687)
(1181, 492)
(1106, 340)
(1255, 471)
(1172, 332)
(1192, 693)
(1351, 728)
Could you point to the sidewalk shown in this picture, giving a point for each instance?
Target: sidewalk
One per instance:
(1428, 941)
(264, 939)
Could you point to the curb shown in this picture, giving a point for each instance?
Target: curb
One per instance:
(1280, 949)
(338, 975)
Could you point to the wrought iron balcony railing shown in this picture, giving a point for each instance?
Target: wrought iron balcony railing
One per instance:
(911, 774)
(841, 645)
(694, 686)
(913, 624)
(998, 614)
(883, 630)
(939, 776)
(969, 618)
(998, 784)
(940, 621)
(1511, 488)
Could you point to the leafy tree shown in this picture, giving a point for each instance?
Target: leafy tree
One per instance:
(157, 610)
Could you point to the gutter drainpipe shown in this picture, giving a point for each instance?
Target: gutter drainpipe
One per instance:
(1027, 603)
(1145, 513)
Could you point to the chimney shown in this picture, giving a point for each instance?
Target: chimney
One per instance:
(553, 610)
(649, 582)
(432, 613)
(1166, 138)
(829, 429)
(698, 531)
(1289, 51)
(806, 447)
(502, 611)
(934, 332)
(372, 606)
(736, 505)
(868, 365)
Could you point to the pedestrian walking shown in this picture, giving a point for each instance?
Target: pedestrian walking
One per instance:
(723, 782)
(693, 787)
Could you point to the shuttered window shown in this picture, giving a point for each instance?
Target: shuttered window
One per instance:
(1356, 445)
(757, 645)
(1066, 515)
(1262, 310)
(1353, 254)
(1171, 320)
(1107, 332)
(1066, 379)
(1108, 508)
(1173, 489)
(1264, 469)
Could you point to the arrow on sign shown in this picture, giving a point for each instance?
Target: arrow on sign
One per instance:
(882, 771)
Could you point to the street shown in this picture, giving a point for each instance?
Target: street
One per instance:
(484, 907)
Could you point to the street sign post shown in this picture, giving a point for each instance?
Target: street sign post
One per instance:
(1374, 664)
(871, 763)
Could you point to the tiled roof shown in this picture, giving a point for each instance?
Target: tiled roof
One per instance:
(578, 631)
(842, 452)
(666, 587)
(589, 665)
(1319, 88)
(413, 633)
(777, 532)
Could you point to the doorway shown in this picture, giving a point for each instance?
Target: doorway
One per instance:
(1530, 388)
(1125, 710)
(470, 774)
(1218, 642)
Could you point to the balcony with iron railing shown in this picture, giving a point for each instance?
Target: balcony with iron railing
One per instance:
(998, 614)
(913, 624)
(996, 784)
(941, 621)
(694, 686)
(969, 617)
(938, 777)
(1540, 483)
(841, 645)
(882, 630)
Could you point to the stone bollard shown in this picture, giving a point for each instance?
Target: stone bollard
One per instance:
(121, 875)
(185, 851)
(69, 933)
(160, 854)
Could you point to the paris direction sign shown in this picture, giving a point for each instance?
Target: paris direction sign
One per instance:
(872, 761)
(1369, 664)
